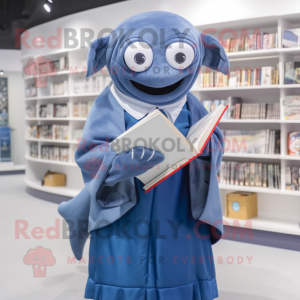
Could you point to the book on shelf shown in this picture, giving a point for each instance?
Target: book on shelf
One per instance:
(250, 174)
(291, 106)
(233, 79)
(82, 109)
(57, 153)
(60, 132)
(292, 178)
(251, 43)
(264, 76)
(290, 38)
(61, 110)
(252, 141)
(76, 110)
(57, 132)
(30, 90)
(33, 151)
(211, 105)
(31, 111)
(57, 89)
(211, 79)
(61, 64)
(49, 110)
(91, 85)
(156, 126)
(294, 143)
(52, 89)
(254, 111)
(292, 73)
(46, 110)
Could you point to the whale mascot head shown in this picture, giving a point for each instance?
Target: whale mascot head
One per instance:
(156, 56)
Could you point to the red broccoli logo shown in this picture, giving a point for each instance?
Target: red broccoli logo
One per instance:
(94, 165)
(39, 258)
(40, 68)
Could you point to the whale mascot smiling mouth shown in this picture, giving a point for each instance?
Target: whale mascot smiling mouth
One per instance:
(153, 59)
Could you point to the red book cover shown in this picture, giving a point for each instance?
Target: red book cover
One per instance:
(201, 150)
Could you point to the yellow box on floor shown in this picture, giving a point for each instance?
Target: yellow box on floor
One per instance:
(241, 205)
(55, 179)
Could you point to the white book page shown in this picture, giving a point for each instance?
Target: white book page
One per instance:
(164, 174)
(200, 131)
(169, 141)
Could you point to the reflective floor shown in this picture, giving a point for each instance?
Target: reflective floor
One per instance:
(244, 272)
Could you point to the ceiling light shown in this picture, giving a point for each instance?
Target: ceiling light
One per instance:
(47, 7)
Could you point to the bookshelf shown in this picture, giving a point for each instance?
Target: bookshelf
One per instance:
(62, 97)
(279, 209)
(36, 167)
(267, 224)
(54, 162)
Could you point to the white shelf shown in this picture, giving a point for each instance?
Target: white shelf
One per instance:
(266, 224)
(263, 53)
(66, 72)
(295, 50)
(252, 155)
(59, 190)
(241, 88)
(53, 162)
(267, 121)
(254, 53)
(255, 87)
(290, 121)
(51, 141)
(47, 97)
(255, 189)
(262, 156)
(56, 119)
(61, 52)
(62, 96)
(290, 157)
(290, 86)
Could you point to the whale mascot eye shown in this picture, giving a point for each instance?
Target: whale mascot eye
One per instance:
(180, 55)
(138, 56)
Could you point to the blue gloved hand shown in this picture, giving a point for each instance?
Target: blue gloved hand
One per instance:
(131, 164)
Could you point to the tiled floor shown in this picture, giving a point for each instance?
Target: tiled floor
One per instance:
(270, 274)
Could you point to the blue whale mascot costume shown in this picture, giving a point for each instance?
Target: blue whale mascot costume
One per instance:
(155, 245)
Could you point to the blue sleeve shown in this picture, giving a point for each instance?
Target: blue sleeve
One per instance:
(94, 156)
(98, 205)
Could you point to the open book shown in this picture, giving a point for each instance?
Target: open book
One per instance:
(157, 132)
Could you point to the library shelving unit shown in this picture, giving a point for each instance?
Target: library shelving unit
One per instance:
(36, 167)
(278, 209)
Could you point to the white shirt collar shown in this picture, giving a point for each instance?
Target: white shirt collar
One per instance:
(138, 109)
